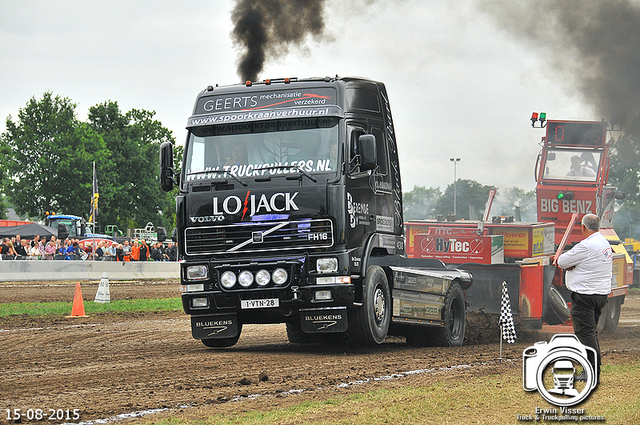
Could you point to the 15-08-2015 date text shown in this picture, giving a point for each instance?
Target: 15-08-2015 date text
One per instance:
(46, 414)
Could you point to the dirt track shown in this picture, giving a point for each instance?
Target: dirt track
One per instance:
(107, 365)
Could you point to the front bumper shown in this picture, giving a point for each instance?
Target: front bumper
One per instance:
(289, 301)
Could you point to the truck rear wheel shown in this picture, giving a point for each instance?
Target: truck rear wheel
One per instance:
(555, 311)
(369, 323)
(223, 342)
(454, 317)
(610, 316)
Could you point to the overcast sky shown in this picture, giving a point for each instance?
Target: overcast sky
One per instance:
(459, 86)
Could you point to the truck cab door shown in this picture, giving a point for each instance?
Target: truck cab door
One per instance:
(360, 200)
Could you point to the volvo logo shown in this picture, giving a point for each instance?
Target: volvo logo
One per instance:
(257, 237)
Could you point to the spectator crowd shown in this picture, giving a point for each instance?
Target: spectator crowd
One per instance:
(16, 248)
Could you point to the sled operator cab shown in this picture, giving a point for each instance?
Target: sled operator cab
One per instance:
(571, 174)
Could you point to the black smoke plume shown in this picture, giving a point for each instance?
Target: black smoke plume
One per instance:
(266, 28)
(593, 45)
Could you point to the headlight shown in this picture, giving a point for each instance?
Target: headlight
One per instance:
(245, 279)
(197, 272)
(228, 279)
(263, 277)
(327, 265)
(280, 276)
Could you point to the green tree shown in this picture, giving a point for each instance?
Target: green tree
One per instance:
(625, 175)
(508, 199)
(468, 193)
(47, 157)
(131, 180)
(420, 203)
(3, 208)
(47, 160)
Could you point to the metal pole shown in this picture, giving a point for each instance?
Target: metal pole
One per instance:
(93, 213)
(455, 180)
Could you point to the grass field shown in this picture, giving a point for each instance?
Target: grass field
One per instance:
(64, 308)
(491, 399)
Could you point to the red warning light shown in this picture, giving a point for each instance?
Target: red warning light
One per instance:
(534, 118)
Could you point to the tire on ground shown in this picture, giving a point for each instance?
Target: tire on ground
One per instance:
(611, 315)
(555, 311)
(295, 335)
(369, 323)
(454, 317)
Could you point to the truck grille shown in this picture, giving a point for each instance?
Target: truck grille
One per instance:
(253, 237)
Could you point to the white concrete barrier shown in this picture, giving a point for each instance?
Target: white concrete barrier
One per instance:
(20, 270)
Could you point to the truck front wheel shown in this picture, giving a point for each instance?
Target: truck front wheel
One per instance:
(369, 323)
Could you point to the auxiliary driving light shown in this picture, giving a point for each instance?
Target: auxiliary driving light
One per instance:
(324, 295)
(228, 279)
(280, 276)
(200, 302)
(245, 279)
(263, 277)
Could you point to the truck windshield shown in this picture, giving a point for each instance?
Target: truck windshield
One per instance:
(71, 226)
(263, 148)
(571, 164)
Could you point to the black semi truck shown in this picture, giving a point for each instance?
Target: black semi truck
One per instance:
(290, 211)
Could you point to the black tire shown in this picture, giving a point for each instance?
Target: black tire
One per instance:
(295, 335)
(369, 323)
(454, 316)
(611, 314)
(556, 311)
(223, 342)
(603, 317)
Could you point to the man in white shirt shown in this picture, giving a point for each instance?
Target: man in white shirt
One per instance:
(579, 170)
(588, 277)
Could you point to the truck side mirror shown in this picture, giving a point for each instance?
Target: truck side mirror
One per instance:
(174, 235)
(167, 172)
(161, 234)
(63, 231)
(367, 150)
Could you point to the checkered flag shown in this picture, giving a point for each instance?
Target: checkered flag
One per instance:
(507, 326)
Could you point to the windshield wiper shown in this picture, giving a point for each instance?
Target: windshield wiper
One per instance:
(287, 167)
(233, 176)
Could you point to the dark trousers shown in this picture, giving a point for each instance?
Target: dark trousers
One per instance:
(585, 313)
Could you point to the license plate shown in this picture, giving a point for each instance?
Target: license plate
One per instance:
(266, 303)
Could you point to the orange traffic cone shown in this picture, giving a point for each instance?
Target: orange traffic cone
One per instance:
(78, 303)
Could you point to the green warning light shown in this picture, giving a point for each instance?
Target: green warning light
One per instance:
(568, 195)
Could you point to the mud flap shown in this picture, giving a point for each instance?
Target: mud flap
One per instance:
(214, 326)
(324, 320)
